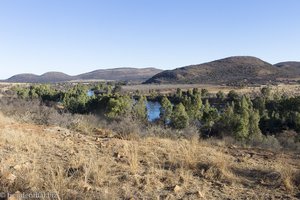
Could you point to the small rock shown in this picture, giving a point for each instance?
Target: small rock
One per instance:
(177, 189)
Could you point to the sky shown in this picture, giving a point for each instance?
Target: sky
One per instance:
(76, 36)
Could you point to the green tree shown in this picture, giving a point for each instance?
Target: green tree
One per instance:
(259, 103)
(140, 110)
(22, 92)
(254, 130)
(166, 110)
(220, 95)
(76, 99)
(243, 123)
(266, 92)
(204, 92)
(119, 106)
(210, 117)
(196, 92)
(233, 96)
(180, 118)
(178, 93)
(229, 121)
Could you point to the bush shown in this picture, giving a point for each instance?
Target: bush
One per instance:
(34, 111)
(126, 128)
(266, 142)
(180, 118)
(118, 107)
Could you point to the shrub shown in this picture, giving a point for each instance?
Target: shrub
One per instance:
(118, 107)
(166, 110)
(180, 118)
(126, 128)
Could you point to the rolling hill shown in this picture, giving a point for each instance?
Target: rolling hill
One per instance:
(118, 74)
(292, 67)
(231, 70)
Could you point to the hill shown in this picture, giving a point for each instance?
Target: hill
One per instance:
(231, 70)
(118, 74)
(292, 67)
(48, 77)
(20, 78)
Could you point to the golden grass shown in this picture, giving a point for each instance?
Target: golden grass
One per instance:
(78, 166)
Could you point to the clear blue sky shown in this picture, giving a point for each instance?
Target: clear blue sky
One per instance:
(75, 36)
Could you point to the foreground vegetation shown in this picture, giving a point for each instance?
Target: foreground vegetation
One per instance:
(61, 140)
(72, 165)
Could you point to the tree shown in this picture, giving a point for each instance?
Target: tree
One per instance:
(196, 92)
(193, 105)
(22, 92)
(204, 92)
(233, 96)
(259, 103)
(118, 107)
(266, 92)
(117, 89)
(220, 95)
(180, 118)
(228, 122)
(254, 130)
(243, 121)
(197, 105)
(166, 110)
(76, 99)
(140, 110)
(178, 93)
(210, 117)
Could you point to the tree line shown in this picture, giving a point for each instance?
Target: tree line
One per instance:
(240, 116)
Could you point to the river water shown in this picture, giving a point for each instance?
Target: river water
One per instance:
(153, 110)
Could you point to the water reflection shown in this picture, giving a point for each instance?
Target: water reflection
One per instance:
(153, 110)
(90, 93)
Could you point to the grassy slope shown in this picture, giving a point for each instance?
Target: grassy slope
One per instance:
(76, 166)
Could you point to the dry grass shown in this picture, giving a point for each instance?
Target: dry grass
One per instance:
(289, 89)
(288, 175)
(81, 166)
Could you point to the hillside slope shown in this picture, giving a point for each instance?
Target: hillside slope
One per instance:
(120, 74)
(292, 67)
(71, 165)
(225, 71)
(21, 78)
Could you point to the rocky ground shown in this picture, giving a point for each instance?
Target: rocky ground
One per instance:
(71, 165)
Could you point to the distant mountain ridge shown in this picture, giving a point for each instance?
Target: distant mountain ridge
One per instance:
(117, 74)
(231, 70)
